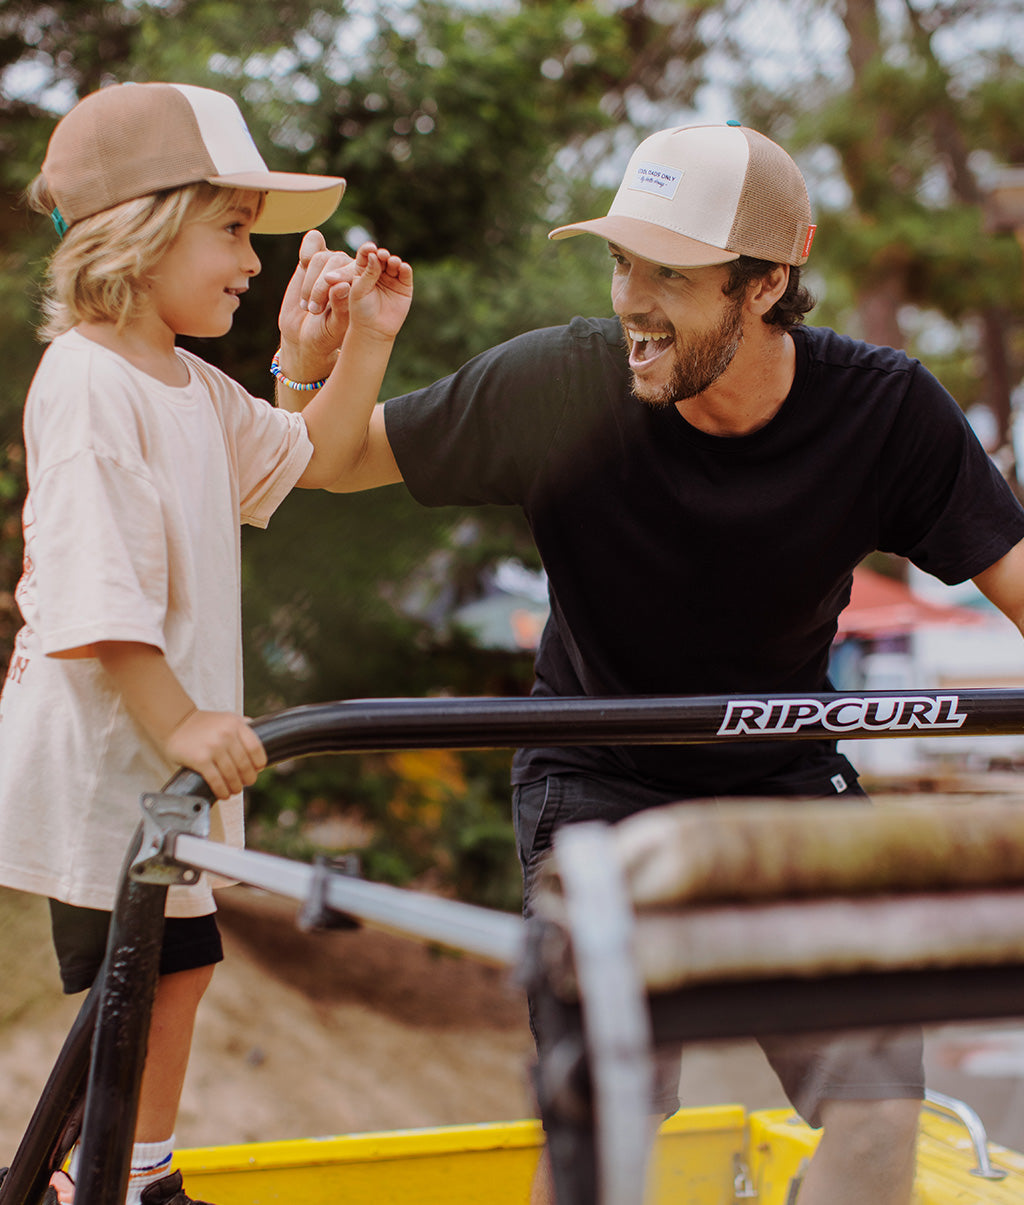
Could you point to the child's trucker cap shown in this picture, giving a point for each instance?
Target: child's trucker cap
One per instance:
(699, 195)
(130, 140)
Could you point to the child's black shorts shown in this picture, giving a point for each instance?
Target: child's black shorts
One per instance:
(80, 940)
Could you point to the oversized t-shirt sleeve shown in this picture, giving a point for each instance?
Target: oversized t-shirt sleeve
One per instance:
(945, 504)
(104, 578)
(270, 448)
(95, 551)
(478, 435)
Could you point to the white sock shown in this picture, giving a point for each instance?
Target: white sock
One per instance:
(151, 1161)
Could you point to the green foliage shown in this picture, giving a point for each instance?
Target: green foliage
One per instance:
(445, 135)
(434, 819)
(907, 123)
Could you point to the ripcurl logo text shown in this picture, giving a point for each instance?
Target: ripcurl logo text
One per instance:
(757, 717)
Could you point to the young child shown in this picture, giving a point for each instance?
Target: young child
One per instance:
(142, 462)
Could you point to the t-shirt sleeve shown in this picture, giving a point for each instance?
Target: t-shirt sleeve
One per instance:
(270, 447)
(945, 504)
(278, 449)
(104, 578)
(478, 435)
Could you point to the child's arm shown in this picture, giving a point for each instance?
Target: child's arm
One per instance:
(338, 415)
(219, 745)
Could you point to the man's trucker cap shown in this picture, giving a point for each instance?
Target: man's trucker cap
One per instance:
(130, 140)
(699, 195)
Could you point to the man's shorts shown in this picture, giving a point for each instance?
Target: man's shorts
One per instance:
(80, 940)
(882, 1064)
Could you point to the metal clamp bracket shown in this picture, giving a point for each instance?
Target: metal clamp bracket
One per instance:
(165, 816)
(316, 913)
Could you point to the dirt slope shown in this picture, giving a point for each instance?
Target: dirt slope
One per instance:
(299, 1034)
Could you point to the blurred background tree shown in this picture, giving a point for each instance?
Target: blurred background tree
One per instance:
(907, 115)
(465, 131)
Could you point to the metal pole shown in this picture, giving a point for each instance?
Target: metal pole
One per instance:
(374, 725)
(119, 1044)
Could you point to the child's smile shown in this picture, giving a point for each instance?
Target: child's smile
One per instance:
(198, 285)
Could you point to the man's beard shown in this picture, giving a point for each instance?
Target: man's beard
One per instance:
(699, 363)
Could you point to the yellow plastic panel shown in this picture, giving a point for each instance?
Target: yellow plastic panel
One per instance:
(694, 1160)
(459, 1165)
(695, 1163)
(465, 1165)
(779, 1144)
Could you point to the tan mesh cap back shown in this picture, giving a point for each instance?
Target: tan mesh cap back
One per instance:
(698, 195)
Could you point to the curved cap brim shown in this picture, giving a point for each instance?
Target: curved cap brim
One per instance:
(294, 202)
(649, 241)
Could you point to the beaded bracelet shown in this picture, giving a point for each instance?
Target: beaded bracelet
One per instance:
(275, 371)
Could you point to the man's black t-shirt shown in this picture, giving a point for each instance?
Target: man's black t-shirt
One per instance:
(683, 563)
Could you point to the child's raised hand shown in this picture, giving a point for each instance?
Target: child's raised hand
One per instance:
(381, 292)
(219, 745)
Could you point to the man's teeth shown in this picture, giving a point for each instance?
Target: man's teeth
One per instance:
(647, 336)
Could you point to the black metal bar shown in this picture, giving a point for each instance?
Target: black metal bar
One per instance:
(119, 1043)
(374, 725)
(707, 1012)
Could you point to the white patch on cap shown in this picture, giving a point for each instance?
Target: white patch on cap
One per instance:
(657, 178)
(709, 164)
(223, 130)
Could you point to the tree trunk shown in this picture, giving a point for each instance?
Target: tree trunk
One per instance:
(883, 289)
(952, 147)
(878, 306)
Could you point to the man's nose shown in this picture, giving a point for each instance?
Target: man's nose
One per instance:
(631, 294)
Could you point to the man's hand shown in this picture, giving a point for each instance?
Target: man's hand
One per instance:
(314, 311)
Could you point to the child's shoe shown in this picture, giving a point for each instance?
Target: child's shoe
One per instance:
(168, 1191)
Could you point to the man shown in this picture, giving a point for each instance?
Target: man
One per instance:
(702, 475)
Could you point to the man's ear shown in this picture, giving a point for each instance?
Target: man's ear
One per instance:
(764, 293)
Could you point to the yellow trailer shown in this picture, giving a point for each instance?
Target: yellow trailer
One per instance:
(717, 1155)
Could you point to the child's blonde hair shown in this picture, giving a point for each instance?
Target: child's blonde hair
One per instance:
(99, 271)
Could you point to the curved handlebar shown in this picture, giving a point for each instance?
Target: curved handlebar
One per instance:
(375, 725)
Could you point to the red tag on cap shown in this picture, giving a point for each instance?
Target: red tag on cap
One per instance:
(807, 241)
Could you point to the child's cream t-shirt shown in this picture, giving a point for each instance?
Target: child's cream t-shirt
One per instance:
(132, 532)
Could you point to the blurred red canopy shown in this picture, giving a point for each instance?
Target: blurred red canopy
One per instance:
(881, 606)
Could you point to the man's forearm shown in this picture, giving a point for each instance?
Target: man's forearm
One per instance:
(338, 416)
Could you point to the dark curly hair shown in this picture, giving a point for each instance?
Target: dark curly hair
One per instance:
(791, 307)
